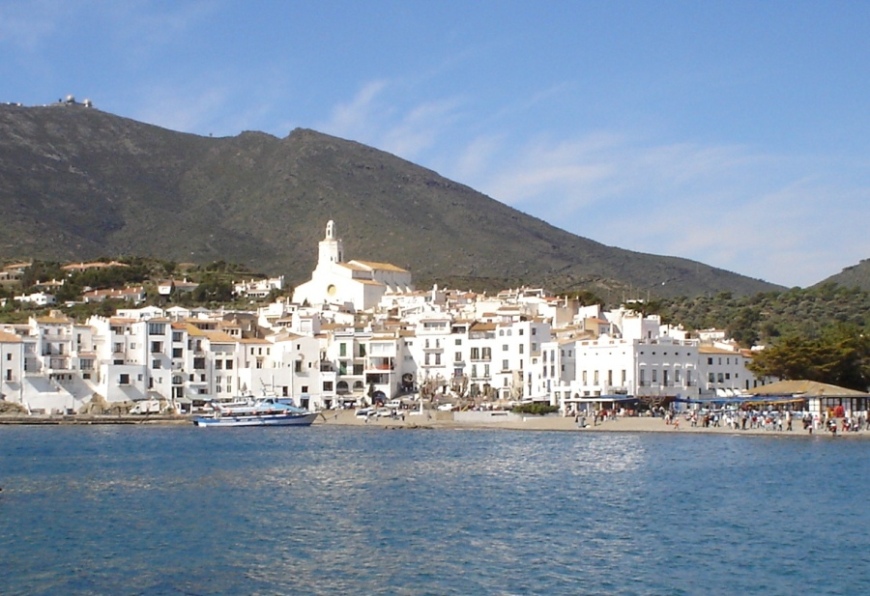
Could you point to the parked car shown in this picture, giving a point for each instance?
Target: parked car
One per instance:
(365, 412)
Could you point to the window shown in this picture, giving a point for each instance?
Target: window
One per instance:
(124, 379)
(218, 364)
(176, 336)
(475, 353)
(521, 348)
(342, 349)
(156, 346)
(327, 385)
(504, 365)
(457, 342)
(711, 377)
(457, 357)
(229, 365)
(155, 364)
(8, 356)
(521, 331)
(177, 352)
(655, 376)
(504, 347)
(534, 330)
(710, 361)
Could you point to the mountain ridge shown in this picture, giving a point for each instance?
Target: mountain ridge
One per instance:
(77, 183)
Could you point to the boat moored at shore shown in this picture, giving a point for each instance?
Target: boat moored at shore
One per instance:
(268, 411)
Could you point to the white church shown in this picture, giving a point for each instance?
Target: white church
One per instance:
(355, 285)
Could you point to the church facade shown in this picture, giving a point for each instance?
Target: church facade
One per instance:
(354, 285)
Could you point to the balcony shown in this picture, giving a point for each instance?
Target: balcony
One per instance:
(385, 364)
(59, 364)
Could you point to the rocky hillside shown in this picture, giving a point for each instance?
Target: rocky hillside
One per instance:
(78, 183)
(856, 276)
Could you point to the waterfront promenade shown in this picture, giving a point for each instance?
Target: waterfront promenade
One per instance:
(433, 419)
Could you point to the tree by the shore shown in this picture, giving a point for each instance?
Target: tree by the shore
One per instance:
(838, 356)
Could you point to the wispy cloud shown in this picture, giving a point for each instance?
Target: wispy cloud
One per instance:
(377, 117)
(28, 25)
(360, 118)
(189, 109)
(729, 206)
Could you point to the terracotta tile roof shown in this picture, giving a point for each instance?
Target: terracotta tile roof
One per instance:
(9, 338)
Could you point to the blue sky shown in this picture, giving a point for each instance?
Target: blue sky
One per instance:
(733, 133)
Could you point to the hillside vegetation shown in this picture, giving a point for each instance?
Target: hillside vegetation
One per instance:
(77, 184)
(766, 317)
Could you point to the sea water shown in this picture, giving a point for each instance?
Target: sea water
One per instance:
(329, 510)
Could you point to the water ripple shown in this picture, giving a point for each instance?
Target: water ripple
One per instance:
(345, 510)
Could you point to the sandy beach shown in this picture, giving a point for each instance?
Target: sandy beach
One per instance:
(559, 423)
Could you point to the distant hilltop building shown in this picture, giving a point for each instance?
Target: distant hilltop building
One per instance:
(70, 100)
(355, 285)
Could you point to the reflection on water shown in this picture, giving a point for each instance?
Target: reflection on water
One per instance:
(337, 510)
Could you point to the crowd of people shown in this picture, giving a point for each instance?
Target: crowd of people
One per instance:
(770, 419)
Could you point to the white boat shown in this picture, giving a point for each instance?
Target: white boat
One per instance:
(266, 411)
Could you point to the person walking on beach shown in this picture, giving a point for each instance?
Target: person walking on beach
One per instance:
(788, 420)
